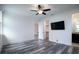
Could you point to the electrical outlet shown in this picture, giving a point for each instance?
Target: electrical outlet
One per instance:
(57, 41)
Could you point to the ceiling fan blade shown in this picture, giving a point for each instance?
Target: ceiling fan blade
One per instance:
(44, 13)
(46, 9)
(34, 10)
(37, 13)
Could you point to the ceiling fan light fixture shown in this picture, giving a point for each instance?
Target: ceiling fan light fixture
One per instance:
(40, 11)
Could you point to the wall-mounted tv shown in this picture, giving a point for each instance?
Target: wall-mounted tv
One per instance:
(58, 25)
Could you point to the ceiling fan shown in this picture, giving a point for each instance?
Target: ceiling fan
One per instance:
(40, 10)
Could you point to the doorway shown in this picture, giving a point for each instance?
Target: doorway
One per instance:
(42, 31)
(75, 29)
(46, 33)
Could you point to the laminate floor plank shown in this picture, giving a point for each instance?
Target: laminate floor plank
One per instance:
(38, 47)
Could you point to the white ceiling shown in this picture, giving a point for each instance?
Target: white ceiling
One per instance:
(24, 9)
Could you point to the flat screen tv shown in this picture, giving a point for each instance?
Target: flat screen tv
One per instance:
(58, 25)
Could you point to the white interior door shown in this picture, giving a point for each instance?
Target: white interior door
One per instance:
(41, 30)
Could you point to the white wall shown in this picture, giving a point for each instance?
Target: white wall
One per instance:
(0, 30)
(17, 28)
(62, 36)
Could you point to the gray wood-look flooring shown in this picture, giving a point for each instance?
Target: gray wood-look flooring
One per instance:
(38, 47)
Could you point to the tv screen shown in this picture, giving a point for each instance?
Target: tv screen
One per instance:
(58, 25)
